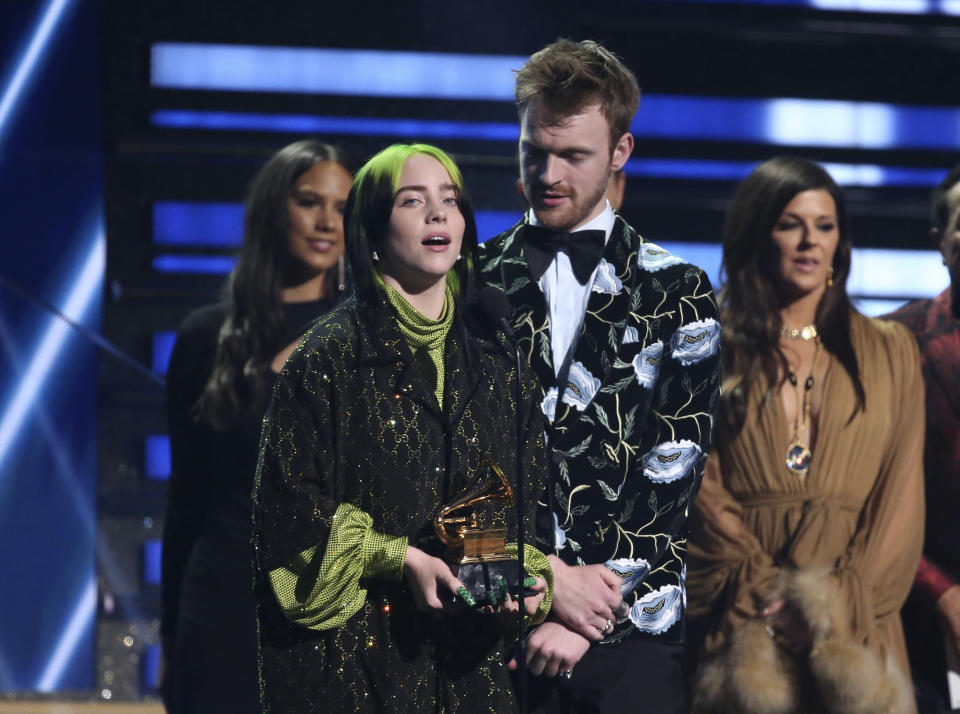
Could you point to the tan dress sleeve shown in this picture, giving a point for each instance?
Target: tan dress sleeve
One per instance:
(878, 568)
(730, 571)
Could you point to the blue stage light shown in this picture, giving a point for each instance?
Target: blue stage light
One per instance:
(156, 456)
(53, 13)
(196, 223)
(151, 667)
(82, 292)
(199, 264)
(350, 126)
(247, 68)
(426, 75)
(490, 223)
(152, 559)
(162, 349)
(75, 629)
(875, 273)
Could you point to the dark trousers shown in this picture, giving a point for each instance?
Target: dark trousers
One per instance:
(636, 676)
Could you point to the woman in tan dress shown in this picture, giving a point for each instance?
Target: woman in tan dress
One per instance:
(808, 525)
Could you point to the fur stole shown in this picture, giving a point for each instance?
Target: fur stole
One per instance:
(838, 676)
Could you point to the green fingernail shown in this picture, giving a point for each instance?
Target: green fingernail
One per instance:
(492, 596)
(503, 588)
(467, 597)
(529, 582)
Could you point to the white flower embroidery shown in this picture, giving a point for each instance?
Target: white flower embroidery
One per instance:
(647, 364)
(630, 335)
(606, 280)
(658, 611)
(653, 258)
(559, 537)
(696, 341)
(549, 404)
(632, 570)
(671, 460)
(581, 386)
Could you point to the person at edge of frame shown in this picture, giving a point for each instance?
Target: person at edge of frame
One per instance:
(932, 610)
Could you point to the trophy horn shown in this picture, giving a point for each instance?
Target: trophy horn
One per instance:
(456, 519)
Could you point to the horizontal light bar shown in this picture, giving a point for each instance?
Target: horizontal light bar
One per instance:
(152, 559)
(889, 273)
(431, 75)
(162, 349)
(156, 456)
(197, 264)
(875, 273)
(779, 122)
(349, 126)
(196, 223)
(906, 7)
(875, 307)
(381, 73)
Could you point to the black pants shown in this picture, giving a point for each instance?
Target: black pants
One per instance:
(636, 676)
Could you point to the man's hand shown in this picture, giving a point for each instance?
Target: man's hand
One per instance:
(552, 648)
(948, 612)
(585, 597)
(432, 582)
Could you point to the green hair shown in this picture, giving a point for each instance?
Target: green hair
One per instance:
(370, 205)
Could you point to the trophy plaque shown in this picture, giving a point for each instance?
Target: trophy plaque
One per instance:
(479, 553)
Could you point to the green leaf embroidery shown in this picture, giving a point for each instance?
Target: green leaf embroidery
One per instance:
(628, 422)
(517, 285)
(602, 416)
(652, 501)
(599, 463)
(618, 386)
(608, 493)
(564, 472)
(580, 510)
(579, 448)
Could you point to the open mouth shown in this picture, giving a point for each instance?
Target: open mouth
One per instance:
(436, 240)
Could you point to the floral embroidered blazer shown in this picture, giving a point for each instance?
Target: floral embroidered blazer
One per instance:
(630, 431)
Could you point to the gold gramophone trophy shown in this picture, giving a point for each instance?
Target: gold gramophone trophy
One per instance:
(479, 554)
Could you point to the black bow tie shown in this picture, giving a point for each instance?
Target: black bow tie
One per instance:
(584, 248)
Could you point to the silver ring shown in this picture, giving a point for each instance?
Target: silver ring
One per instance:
(565, 673)
(771, 631)
(608, 627)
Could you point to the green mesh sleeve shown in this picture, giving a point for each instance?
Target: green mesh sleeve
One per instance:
(325, 596)
(537, 565)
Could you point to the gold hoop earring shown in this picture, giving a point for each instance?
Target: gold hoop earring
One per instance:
(830, 277)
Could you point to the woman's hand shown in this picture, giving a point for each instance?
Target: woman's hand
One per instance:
(787, 626)
(507, 610)
(432, 582)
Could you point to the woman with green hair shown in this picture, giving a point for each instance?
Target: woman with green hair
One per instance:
(383, 415)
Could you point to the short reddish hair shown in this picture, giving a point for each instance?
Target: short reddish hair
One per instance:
(566, 76)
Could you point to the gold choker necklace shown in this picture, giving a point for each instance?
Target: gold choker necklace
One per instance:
(807, 332)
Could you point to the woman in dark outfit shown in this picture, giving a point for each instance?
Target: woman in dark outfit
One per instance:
(224, 362)
(381, 416)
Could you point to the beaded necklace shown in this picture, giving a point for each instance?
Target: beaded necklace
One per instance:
(799, 456)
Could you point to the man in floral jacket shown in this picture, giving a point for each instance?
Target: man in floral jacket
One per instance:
(624, 338)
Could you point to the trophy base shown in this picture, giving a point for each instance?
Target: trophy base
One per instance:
(482, 580)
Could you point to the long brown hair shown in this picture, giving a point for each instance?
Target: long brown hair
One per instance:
(749, 300)
(248, 338)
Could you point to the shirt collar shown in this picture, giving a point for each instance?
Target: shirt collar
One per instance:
(603, 222)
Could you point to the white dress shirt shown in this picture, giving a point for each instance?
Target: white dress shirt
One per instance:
(566, 298)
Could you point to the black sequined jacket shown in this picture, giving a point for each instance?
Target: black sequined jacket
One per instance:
(630, 431)
(355, 420)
